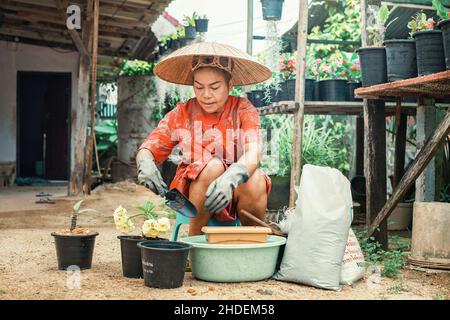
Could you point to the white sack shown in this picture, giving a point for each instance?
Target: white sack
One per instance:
(353, 265)
(319, 232)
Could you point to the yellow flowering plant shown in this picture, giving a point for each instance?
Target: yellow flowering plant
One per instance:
(156, 224)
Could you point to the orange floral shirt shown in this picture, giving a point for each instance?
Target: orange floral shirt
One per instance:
(202, 136)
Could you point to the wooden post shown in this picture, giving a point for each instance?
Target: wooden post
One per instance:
(79, 112)
(90, 142)
(302, 33)
(375, 147)
(422, 159)
(426, 122)
(250, 27)
(400, 149)
(359, 149)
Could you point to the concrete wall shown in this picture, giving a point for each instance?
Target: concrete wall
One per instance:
(23, 57)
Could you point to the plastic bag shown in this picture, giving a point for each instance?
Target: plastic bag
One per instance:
(319, 231)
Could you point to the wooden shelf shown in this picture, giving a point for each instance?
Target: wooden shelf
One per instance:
(436, 85)
(331, 107)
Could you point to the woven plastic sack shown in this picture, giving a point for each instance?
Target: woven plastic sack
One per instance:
(319, 231)
(353, 265)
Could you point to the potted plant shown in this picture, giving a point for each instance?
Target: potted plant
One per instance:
(256, 96)
(288, 71)
(201, 23)
(429, 44)
(272, 9)
(153, 228)
(181, 36)
(75, 246)
(373, 58)
(354, 76)
(444, 25)
(189, 28)
(334, 74)
(312, 74)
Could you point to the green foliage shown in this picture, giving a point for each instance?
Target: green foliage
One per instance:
(377, 29)
(393, 262)
(445, 193)
(153, 211)
(190, 21)
(322, 142)
(420, 22)
(441, 10)
(237, 91)
(136, 67)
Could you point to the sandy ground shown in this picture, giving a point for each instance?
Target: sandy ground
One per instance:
(28, 267)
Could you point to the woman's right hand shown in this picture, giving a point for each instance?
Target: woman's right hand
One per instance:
(148, 173)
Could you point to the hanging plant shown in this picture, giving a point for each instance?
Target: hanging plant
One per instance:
(272, 9)
(271, 60)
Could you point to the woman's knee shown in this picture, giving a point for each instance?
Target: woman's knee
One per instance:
(213, 170)
(255, 187)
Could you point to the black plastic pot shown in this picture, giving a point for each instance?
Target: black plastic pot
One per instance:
(272, 9)
(201, 25)
(74, 250)
(351, 87)
(309, 89)
(279, 193)
(290, 85)
(131, 256)
(373, 65)
(190, 32)
(429, 52)
(183, 42)
(170, 44)
(282, 94)
(162, 49)
(164, 263)
(333, 89)
(257, 98)
(444, 25)
(176, 44)
(400, 59)
(316, 93)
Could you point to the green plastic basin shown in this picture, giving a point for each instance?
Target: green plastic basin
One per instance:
(233, 262)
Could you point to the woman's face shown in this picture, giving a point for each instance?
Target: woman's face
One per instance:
(211, 89)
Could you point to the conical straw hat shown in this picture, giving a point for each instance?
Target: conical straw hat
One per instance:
(177, 67)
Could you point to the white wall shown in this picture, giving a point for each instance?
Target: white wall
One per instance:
(23, 57)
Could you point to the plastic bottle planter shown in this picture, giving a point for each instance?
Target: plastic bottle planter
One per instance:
(74, 250)
(373, 65)
(444, 25)
(333, 90)
(272, 9)
(201, 25)
(401, 59)
(351, 87)
(131, 255)
(429, 52)
(164, 263)
(190, 32)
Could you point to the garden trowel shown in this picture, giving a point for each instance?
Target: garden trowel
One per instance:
(178, 202)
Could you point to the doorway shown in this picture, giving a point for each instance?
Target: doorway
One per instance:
(43, 104)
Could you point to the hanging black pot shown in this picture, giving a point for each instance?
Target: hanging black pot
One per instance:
(74, 250)
(401, 59)
(272, 9)
(351, 87)
(429, 52)
(190, 32)
(201, 25)
(333, 89)
(257, 98)
(164, 263)
(316, 93)
(444, 25)
(373, 65)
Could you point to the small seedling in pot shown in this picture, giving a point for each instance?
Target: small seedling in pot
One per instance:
(76, 210)
(420, 22)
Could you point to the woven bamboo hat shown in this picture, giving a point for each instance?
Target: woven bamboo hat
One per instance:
(177, 67)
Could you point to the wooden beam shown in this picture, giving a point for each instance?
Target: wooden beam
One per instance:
(418, 165)
(62, 6)
(302, 34)
(359, 147)
(90, 144)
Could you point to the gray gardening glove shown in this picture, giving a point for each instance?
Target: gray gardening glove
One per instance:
(220, 192)
(149, 175)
